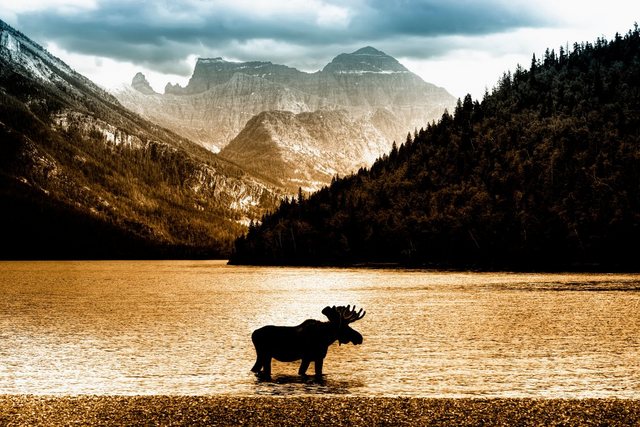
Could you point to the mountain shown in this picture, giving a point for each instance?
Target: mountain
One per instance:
(214, 117)
(222, 97)
(298, 150)
(543, 173)
(83, 177)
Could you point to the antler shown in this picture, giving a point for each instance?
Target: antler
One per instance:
(349, 315)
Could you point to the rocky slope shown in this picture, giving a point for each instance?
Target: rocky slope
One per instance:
(299, 150)
(83, 177)
(372, 88)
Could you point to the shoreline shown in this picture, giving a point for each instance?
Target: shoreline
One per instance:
(397, 266)
(31, 410)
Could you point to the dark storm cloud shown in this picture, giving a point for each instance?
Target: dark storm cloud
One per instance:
(161, 35)
(437, 18)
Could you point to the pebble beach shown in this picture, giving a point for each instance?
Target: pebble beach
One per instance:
(26, 410)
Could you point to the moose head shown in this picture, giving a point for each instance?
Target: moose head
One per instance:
(341, 317)
(309, 341)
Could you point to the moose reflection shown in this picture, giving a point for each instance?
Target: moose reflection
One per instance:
(308, 341)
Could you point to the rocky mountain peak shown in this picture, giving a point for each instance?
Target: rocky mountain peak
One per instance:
(368, 50)
(306, 149)
(365, 60)
(141, 84)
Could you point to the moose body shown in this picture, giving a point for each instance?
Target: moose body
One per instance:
(309, 341)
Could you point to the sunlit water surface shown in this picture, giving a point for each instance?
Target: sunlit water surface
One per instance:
(183, 327)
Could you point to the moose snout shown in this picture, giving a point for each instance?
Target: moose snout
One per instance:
(352, 336)
(357, 339)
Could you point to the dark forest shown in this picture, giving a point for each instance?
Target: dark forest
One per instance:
(542, 174)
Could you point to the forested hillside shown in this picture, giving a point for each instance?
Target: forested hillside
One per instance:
(83, 177)
(543, 173)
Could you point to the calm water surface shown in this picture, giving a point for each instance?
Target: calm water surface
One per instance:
(183, 327)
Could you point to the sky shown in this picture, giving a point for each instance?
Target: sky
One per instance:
(461, 45)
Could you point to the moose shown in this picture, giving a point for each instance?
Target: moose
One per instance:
(308, 341)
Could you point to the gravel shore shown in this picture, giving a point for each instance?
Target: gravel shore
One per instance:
(295, 411)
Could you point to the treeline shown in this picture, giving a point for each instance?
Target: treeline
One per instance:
(543, 173)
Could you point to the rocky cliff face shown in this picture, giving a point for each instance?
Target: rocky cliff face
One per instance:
(210, 72)
(214, 117)
(370, 87)
(81, 176)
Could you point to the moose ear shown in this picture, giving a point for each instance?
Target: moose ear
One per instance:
(331, 313)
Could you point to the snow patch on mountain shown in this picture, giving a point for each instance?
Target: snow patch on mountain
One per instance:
(33, 60)
(211, 60)
(8, 42)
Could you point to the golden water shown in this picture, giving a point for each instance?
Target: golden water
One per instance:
(183, 327)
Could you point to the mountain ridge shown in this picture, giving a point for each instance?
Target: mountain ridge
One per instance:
(221, 97)
(212, 71)
(72, 154)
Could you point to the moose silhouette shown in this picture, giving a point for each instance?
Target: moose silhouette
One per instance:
(308, 341)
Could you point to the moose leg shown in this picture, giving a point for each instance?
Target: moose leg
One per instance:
(266, 367)
(304, 366)
(318, 366)
(257, 367)
(262, 367)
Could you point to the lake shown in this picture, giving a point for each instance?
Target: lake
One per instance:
(184, 327)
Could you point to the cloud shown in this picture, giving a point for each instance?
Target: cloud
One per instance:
(305, 33)
(441, 18)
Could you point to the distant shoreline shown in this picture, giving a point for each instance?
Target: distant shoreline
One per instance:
(582, 268)
(22, 410)
(562, 268)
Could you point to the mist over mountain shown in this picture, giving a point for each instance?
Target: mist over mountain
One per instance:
(543, 173)
(373, 89)
(83, 177)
